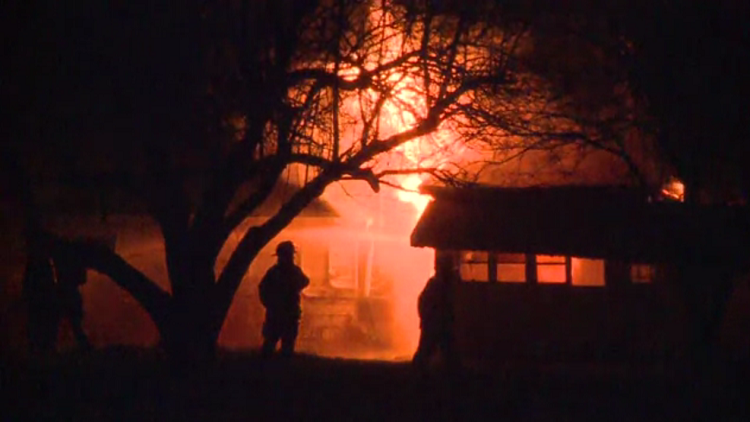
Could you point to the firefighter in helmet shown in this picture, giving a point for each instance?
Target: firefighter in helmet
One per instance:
(280, 291)
(436, 314)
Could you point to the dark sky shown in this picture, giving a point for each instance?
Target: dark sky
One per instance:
(90, 74)
(91, 64)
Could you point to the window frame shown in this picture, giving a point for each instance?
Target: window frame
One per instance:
(566, 264)
(498, 260)
(530, 263)
(486, 262)
(636, 268)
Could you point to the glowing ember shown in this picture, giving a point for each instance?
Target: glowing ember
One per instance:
(674, 189)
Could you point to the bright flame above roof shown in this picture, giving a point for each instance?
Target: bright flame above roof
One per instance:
(674, 189)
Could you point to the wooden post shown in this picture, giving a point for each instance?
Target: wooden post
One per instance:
(531, 277)
(492, 264)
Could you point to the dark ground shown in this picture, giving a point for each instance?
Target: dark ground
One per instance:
(134, 385)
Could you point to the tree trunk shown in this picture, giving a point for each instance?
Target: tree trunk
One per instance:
(187, 339)
(191, 335)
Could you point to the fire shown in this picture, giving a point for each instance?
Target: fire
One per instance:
(409, 194)
(674, 189)
(405, 106)
(432, 151)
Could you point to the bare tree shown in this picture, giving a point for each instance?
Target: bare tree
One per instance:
(345, 89)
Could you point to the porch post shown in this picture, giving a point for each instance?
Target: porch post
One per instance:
(531, 277)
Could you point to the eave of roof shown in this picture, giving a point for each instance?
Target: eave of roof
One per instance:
(599, 222)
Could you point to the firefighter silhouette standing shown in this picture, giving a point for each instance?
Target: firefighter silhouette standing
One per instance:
(436, 314)
(280, 291)
(71, 275)
(51, 291)
(40, 296)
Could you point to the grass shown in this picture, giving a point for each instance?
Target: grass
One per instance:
(137, 384)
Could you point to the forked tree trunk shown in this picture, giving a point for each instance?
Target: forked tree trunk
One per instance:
(192, 331)
(187, 321)
(189, 338)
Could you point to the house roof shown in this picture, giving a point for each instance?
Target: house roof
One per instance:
(596, 222)
(281, 193)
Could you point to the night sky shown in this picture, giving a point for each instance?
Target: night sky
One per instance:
(88, 78)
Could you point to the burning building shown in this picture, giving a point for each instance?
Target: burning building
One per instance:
(584, 272)
(364, 278)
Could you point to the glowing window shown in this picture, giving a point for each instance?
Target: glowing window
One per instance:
(511, 267)
(550, 269)
(474, 266)
(587, 272)
(642, 273)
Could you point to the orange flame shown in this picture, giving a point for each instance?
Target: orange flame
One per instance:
(404, 108)
(674, 189)
(411, 195)
(432, 151)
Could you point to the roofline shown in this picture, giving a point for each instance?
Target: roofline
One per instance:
(478, 190)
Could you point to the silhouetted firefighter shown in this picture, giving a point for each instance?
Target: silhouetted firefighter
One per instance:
(50, 289)
(71, 274)
(280, 291)
(40, 295)
(436, 315)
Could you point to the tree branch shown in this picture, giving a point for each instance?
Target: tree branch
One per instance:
(244, 209)
(257, 237)
(362, 81)
(100, 258)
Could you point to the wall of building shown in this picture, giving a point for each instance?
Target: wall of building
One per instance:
(507, 321)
